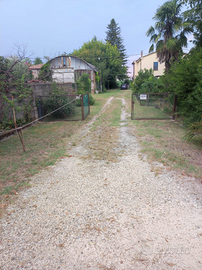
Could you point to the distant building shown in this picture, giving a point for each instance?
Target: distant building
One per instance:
(148, 61)
(35, 70)
(68, 69)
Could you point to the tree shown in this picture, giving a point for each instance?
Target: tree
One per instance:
(194, 16)
(45, 73)
(169, 32)
(185, 79)
(114, 38)
(105, 57)
(143, 76)
(12, 68)
(38, 61)
(14, 72)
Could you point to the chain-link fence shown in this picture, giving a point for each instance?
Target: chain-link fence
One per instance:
(156, 106)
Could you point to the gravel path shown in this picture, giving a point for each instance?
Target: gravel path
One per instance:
(88, 214)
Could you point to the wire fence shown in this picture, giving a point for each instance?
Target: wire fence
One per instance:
(61, 108)
(153, 106)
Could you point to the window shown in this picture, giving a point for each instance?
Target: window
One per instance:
(155, 66)
(64, 61)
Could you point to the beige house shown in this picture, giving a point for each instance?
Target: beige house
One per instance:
(148, 61)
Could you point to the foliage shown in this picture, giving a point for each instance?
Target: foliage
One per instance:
(194, 16)
(5, 75)
(83, 87)
(114, 38)
(195, 130)
(169, 32)
(106, 58)
(38, 61)
(127, 81)
(9, 124)
(45, 73)
(185, 79)
(84, 84)
(22, 95)
(143, 76)
(13, 74)
(57, 99)
(20, 68)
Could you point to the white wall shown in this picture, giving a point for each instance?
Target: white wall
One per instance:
(65, 75)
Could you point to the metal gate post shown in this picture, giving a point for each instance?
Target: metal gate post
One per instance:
(132, 107)
(88, 103)
(82, 107)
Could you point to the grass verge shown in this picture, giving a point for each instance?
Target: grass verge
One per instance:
(45, 143)
(165, 142)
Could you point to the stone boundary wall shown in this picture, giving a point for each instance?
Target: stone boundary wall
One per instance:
(44, 89)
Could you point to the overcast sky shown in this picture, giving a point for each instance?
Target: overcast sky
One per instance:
(50, 27)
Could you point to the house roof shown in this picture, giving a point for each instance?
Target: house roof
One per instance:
(36, 66)
(90, 65)
(142, 57)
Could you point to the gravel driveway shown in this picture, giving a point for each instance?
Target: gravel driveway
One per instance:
(92, 214)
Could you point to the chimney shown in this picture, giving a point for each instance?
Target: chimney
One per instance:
(141, 53)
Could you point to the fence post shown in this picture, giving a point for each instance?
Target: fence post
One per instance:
(132, 107)
(82, 107)
(39, 107)
(174, 106)
(88, 103)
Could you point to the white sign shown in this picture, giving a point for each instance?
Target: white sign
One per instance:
(143, 97)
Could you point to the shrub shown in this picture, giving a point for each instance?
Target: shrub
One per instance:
(45, 73)
(84, 86)
(57, 99)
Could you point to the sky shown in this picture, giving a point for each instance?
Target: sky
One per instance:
(51, 27)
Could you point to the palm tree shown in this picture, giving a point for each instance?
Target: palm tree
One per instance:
(169, 32)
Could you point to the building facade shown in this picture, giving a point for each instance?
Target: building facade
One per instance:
(68, 69)
(149, 61)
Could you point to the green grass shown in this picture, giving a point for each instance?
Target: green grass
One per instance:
(45, 143)
(148, 112)
(165, 141)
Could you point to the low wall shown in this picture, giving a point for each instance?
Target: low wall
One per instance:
(39, 89)
(44, 89)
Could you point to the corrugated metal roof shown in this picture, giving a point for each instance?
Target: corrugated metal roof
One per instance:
(88, 64)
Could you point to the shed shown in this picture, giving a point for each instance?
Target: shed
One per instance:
(68, 69)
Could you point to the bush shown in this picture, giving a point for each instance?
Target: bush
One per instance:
(45, 73)
(143, 76)
(54, 102)
(84, 84)
(91, 100)
(185, 79)
(57, 99)
(83, 87)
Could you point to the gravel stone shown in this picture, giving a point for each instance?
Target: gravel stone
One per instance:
(88, 214)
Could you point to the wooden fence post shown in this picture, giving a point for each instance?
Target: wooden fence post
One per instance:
(174, 106)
